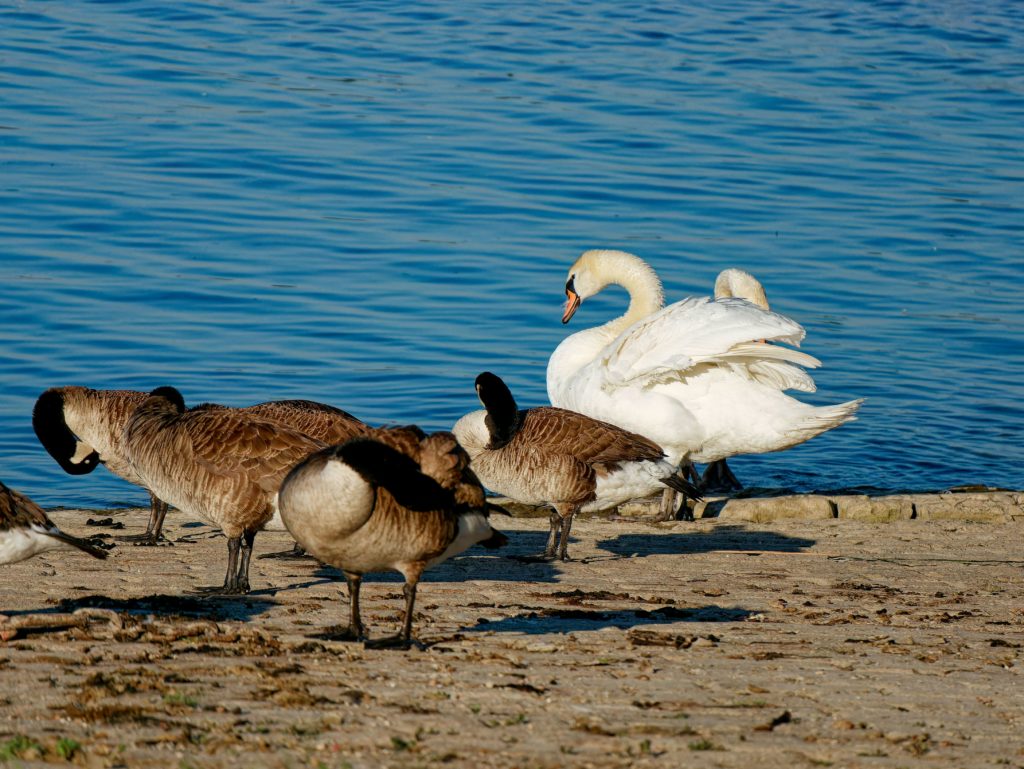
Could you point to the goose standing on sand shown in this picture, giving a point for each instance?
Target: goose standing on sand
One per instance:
(219, 464)
(82, 428)
(25, 530)
(698, 377)
(365, 506)
(551, 456)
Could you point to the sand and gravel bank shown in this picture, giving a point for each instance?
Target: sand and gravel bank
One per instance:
(733, 641)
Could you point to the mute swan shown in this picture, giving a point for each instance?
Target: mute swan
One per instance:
(695, 377)
(364, 506)
(26, 531)
(551, 456)
(219, 464)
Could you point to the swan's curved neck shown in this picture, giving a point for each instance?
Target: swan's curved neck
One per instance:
(640, 281)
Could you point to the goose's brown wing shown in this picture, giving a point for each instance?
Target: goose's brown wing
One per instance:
(231, 443)
(317, 420)
(444, 460)
(589, 440)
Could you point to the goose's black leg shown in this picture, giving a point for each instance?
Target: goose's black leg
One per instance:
(157, 513)
(563, 545)
(242, 580)
(231, 576)
(354, 631)
(552, 545)
(402, 640)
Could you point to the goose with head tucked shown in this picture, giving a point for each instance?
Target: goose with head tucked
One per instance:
(552, 456)
(367, 506)
(219, 464)
(704, 378)
(25, 530)
(82, 428)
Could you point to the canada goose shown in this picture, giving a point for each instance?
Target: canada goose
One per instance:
(366, 506)
(81, 428)
(25, 530)
(219, 464)
(552, 456)
(696, 377)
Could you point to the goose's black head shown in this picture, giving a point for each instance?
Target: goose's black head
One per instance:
(60, 442)
(502, 413)
(171, 394)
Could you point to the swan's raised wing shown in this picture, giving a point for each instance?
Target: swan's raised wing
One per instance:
(672, 343)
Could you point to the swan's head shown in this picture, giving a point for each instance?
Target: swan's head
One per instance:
(598, 267)
(742, 285)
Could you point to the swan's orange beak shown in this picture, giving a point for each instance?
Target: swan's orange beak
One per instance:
(572, 303)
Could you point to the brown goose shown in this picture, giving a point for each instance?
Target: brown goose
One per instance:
(219, 464)
(553, 456)
(25, 530)
(366, 506)
(81, 428)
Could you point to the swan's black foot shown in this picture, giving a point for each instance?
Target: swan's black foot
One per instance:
(388, 642)
(145, 540)
(718, 476)
(295, 554)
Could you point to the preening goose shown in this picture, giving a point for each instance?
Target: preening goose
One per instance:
(219, 464)
(698, 377)
(551, 456)
(82, 428)
(366, 506)
(25, 530)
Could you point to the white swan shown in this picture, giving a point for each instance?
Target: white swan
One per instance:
(697, 377)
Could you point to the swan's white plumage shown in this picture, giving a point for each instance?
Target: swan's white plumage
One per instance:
(702, 377)
(672, 342)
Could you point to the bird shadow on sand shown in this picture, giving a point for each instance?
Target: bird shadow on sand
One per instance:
(477, 563)
(734, 538)
(214, 607)
(536, 621)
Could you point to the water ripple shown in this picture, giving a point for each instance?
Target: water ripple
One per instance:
(369, 204)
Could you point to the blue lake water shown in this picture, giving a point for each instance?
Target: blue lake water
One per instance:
(370, 203)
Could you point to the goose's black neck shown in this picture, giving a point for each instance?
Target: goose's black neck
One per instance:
(503, 416)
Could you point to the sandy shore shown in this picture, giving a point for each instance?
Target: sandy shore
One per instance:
(720, 643)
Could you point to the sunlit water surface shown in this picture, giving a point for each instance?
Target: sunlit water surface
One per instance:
(368, 204)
